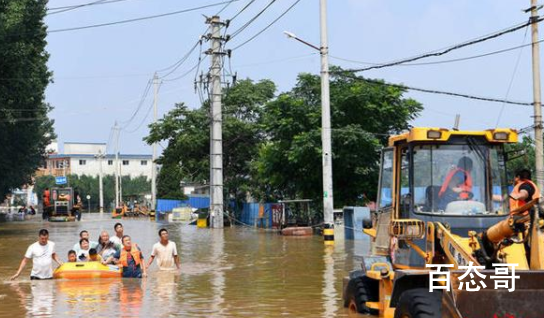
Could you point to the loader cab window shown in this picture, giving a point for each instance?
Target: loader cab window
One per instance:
(385, 194)
(465, 179)
(405, 203)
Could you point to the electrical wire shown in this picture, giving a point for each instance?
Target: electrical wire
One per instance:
(430, 91)
(142, 100)
(242, 10)
(243, 27)
(512, 78)
(182, 75)
(83, 5)
(146, 115)
(226, 6)
(70, 8)
(443, 61)
(268, 26)
(449, 49)
(181, 61)
(109, 140)
(140, 19)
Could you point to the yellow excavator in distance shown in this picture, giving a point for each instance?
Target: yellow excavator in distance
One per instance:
(420, 221)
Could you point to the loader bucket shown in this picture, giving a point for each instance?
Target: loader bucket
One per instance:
(524, 302)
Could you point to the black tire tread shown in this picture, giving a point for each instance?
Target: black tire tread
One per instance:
(419, 303)
(364, 290)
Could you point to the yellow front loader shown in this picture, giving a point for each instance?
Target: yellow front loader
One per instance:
(427, 235)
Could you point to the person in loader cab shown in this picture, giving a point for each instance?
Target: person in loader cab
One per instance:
(524, 190)
(457, 184)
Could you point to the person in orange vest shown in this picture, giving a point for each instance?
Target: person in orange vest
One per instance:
(524, 190)
(130, 259)
(46, 204)
(457, 184)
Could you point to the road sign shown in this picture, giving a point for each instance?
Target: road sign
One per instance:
(60, 180)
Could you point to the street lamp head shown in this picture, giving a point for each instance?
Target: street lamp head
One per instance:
(290, 34)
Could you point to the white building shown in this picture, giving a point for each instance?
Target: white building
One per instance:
(83, 159)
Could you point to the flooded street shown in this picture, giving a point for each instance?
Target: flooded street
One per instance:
(235, 272)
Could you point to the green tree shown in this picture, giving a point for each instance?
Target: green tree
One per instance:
(25, 129)
(363, 116)
(186, 158)
(521, 156)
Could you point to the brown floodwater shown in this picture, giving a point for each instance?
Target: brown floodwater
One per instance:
(235, 272)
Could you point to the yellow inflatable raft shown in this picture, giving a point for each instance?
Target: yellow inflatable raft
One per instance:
(85, 270)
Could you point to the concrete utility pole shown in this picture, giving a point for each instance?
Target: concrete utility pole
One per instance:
(116, 129)
(216, 150)
(539, 163)
(121, 186)
(328, 202)
(153, 164)
(100, 156)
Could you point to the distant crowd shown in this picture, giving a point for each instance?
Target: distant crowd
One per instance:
(117, 250)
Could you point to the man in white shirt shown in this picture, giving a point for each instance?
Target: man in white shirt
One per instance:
(166, 253)
(117, 239)
(42, 253)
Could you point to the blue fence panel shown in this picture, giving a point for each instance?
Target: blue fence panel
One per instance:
(250, 215)
(165, 205)
(199, 202)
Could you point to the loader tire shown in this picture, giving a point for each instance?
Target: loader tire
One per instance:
(419, 303)
(361, 290)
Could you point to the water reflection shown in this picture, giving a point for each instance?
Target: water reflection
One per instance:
(329, 291)
(36, 297)
(235, 272)
(218, 275)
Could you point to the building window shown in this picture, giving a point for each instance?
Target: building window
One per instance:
(82, 162)
(144, 162)
(110, 162)
(125, 162)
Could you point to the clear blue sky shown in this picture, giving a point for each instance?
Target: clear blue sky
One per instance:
(101, 73)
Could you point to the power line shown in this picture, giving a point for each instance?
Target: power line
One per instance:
(512, 79)
(451, 48)
(183, 75)
(430, 91)
(72, 7)
(242, 10)
(141, 18)
(223, 9)
(176, 65)
(142, 100)
(268, 26)
(442, 61)
(243, 27)
(146, 115)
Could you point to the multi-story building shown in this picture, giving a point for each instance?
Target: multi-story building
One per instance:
(86, 158)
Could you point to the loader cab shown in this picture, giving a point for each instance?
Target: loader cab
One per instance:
(439, 175)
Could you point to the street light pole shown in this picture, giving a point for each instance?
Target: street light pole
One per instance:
(326, 130)
(326, 144)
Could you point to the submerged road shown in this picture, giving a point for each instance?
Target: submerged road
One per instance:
(235, 272)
